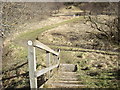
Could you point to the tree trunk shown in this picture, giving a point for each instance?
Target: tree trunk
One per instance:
(118, 22)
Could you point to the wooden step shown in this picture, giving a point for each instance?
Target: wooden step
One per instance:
(67, 76)
(63, 85)
(68, 79)
(68, 67)
(69, 73)
(62, 76)
(67, 82)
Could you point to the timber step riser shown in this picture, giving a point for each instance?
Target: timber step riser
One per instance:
(67, 82)
(59, 85)
(66, 78)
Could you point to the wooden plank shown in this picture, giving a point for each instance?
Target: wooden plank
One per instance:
(32, 65)
(48, 63)
(63, 85)
(69, 82)
(59, 56)
(43, 71)
(44, 47)
(54, 59)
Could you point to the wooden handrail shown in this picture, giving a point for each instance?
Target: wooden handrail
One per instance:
(43, 71)
(33, 74)
(44, 47)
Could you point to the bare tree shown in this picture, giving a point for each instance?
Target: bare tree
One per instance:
(103, 17)
(15, 14)
(55, 7)
(1, 46)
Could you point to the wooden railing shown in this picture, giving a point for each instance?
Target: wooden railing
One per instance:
(33, 74)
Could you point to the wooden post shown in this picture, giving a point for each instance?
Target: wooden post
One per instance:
(59, 56)
(54, 59)
(32, 65)
(48, 64)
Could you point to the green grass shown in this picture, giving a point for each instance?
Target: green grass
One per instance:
(15, 66)
(16, 55)
(103, 80)
(97, 78)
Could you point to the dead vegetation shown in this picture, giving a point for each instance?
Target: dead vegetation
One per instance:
(76, 34)
(95, 69)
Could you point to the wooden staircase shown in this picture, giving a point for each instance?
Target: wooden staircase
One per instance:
(66, 77)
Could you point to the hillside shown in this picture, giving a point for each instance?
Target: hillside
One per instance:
(59, 26)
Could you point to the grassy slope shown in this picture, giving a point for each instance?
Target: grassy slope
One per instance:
(32, 34)
(21, 56)
(17, 44)
(89, 73)
(15, 69)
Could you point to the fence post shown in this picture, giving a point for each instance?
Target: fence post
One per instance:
(48, 63)
(59, 56)
(55, 59)
(32, 65)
